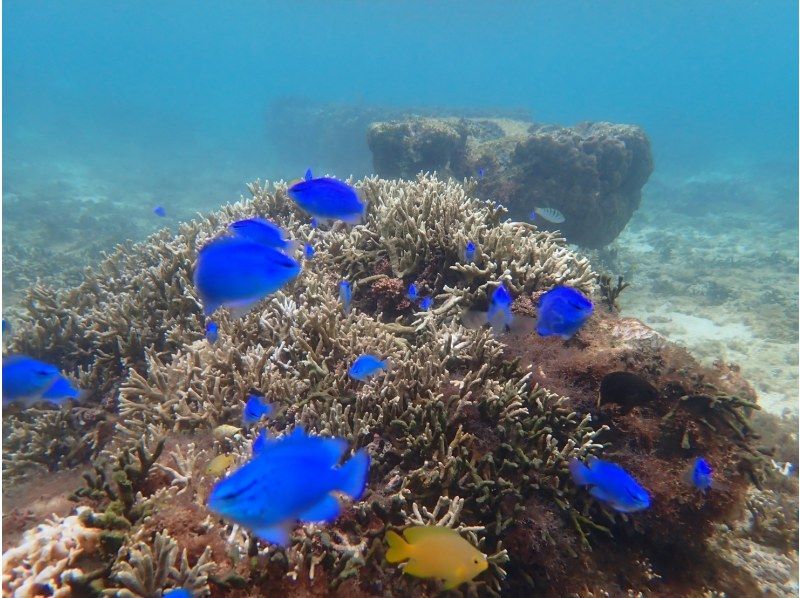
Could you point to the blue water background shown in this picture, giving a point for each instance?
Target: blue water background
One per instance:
(158, 98)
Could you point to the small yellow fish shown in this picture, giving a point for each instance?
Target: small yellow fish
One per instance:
(438, 552)
(220, 464)
(225, 431)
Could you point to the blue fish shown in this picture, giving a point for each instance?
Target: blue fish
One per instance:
(60, 390)
(499, 314)
(533, 215)
(426, 303)
(260, 230)
(700, 474)
(237, 273)
(178, 593)
(26, 379)
(328, 198)
(6, 327)
(212, 332)
(159, 211)
(610, 484)
(314, 223)
(308, 176)
(480, 174)
(469, 252)
(287, 480)
(562, 311)
(366, 366)
(308, 251)
(345, 295)
(412, 292)
(255, 409)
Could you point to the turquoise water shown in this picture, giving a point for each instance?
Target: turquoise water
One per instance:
(154, 96)
(113, 108)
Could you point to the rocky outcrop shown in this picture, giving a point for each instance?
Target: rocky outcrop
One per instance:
(593, 173)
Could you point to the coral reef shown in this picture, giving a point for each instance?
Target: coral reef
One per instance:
(593, 173)
(48, 557)
(465, 430)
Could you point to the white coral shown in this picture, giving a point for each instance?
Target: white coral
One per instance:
(46, 552)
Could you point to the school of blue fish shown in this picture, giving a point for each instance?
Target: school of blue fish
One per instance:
(297, 478)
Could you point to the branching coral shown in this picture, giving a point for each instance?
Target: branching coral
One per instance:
(146, 570)
(610, 291)
(458, 432)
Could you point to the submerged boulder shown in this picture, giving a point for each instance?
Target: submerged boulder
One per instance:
(593, 173)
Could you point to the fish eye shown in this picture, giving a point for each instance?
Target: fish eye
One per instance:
(475, 561)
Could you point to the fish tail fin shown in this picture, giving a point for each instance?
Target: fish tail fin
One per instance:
(354, 474)
(581, 474)
(398, 547)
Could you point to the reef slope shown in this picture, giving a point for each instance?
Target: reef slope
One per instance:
(466, 430)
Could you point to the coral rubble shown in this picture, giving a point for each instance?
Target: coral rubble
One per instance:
(593, 173)
(465, 430)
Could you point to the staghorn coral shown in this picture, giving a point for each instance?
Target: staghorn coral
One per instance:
(41, 440)
(475, 429)
(145, 570)
(610, 292)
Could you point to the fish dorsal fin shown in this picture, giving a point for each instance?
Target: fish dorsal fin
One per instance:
(308, 176)
(421, 532)
(329, 450)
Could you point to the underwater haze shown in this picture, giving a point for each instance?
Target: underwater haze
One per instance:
(149, 95)
(113, 110)
(376, 298)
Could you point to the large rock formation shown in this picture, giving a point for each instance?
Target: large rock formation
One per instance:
(593, 172)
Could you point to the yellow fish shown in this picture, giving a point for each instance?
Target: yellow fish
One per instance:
(220, 464)
(225, 431)
(438, 552)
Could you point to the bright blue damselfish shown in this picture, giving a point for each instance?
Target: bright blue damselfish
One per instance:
(412, 292)
(426, 303)
(160, 212)
(610, 484)
(237, 273)
(345, 295)
(212, 332)
(287, 480)
(701, 474)
(178, 593)
(308, 251)
(499, 314)
(562, 311)
(60, 390)
(365, 366)
(469, 252)
(254, 409)
(262, 231)
(328, 198)
(26, 379)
